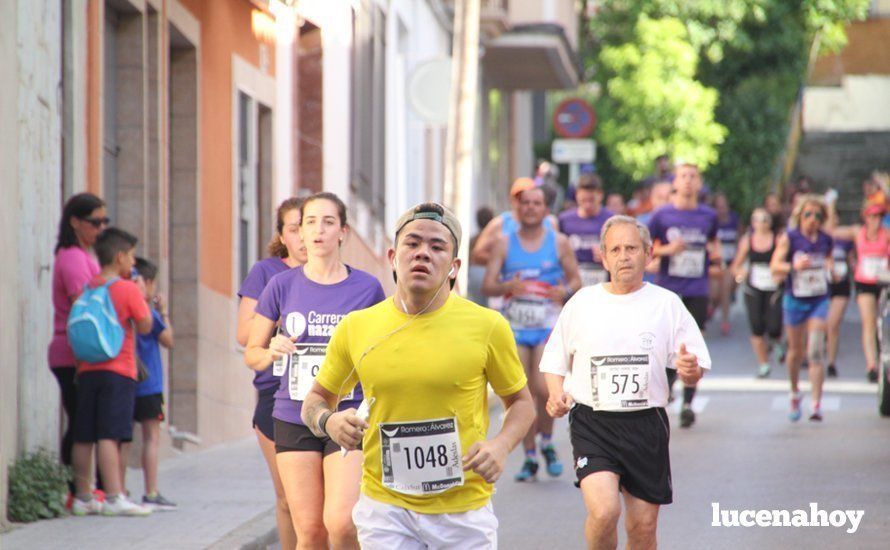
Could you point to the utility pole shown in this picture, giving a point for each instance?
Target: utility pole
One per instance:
(458, 180)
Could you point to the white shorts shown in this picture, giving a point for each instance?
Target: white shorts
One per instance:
(384, 526)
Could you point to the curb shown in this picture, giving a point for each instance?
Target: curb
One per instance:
(256, 533)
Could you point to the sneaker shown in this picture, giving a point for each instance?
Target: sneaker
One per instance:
(816, 416)
(91, 507)
(554, 466)
(687, 416)
(805, 364)
(832, 371)
(794, 415)
(725, 328)
(158, 502)
(528, 472)
(123, 507)
(779, 351)
(872, 376)
(99, 495)
(764, 370)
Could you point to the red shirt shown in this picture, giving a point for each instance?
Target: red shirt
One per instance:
(130, 306)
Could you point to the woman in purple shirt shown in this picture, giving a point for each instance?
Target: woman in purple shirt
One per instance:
(286, 250)
(308, 302)
(803, 256)
(83, 218)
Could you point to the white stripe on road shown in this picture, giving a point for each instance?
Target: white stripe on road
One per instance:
(698, 404)
(783, 403)
(730, 384)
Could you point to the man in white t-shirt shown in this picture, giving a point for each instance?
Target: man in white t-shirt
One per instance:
(605, 365)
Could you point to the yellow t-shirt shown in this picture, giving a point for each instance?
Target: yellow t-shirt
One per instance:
(437, 367)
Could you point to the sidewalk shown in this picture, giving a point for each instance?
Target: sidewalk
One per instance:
(225, 500)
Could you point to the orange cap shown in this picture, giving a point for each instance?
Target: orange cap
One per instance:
(520, 185)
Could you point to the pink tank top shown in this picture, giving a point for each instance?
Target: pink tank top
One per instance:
(871, 256)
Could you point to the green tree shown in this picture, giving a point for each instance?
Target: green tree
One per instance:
(652, 102)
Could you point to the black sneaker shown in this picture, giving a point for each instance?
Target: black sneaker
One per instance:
(158, 502)
(528, 472)
(832, 371)
(687, 416)
(873, 376)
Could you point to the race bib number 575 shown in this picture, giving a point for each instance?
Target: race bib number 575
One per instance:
(619, 382)
(421, 458)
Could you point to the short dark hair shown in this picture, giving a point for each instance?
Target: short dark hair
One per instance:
(112, 241)
(146, 269)
(589, 182)
(78, 206)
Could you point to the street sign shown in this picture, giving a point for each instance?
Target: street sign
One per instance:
(574, 118)
(568, 151)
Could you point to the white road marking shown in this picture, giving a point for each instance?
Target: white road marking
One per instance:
(733, 384)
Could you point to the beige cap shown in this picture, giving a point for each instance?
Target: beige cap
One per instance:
(434, 212)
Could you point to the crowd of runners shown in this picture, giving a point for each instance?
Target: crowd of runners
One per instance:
(372, 411)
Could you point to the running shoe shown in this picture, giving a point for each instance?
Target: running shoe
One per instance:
(528, 472)
(123, 507)
(832, 371)
(554, 466)
(687, 416)
(779, 351)
(816, 416)
(764, 370)
(794, 415)
(91, 507)
(158, 502)
(872, 376)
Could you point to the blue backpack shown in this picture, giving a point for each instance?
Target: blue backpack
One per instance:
(94, 332)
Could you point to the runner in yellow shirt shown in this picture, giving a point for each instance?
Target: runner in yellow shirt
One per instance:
(425, 359)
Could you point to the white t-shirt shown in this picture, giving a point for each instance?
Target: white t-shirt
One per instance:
(613, 348)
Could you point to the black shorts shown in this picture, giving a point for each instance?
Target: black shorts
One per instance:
(633, 445)
(840, 288)
(149, 407)
(105, 402)
(868, 288)
(262, 413)
(698, 308)
(297, 437)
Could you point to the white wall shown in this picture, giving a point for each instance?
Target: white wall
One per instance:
(860, 104)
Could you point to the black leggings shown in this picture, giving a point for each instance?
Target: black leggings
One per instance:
(764, 312)
(65, 378)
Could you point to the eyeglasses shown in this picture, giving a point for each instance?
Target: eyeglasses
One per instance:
(811, 214)
(97, 222)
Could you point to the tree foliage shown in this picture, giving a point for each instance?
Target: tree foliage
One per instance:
(752, 52)
(653, 103)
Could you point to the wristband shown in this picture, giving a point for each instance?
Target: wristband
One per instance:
(323, 422)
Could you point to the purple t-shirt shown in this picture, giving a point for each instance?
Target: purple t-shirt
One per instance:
(311, 311)
(252, 287)
(685, 273)
(728, 235)
(810, 284)
(583, 233)
(72, 269)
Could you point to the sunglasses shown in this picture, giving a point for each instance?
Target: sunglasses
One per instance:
(811, 214)
(97, 222)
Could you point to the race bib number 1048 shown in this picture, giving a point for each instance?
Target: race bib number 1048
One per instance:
(421, 458)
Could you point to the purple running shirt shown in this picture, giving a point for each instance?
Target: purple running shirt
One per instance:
(685, 273)
(252, 287)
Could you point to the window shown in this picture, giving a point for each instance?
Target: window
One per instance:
(254, 181)
(368, 112)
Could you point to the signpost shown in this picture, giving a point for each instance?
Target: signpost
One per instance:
(574, 120)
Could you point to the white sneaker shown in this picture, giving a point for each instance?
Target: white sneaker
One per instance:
(88, 508)
(123, 507)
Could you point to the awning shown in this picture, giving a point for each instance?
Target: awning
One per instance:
(531, 57)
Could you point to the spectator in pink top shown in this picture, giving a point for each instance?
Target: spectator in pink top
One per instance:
(83, 218)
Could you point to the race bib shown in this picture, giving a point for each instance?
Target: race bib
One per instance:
(527, 312)
(810, 282)
(592, 274)
(421, 458)
(688, 264)
(727, 250)
(619, 382)
(840, 268)
(761, 277)
(872, 266)
(304, 366)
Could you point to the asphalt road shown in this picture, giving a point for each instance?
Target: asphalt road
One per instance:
(742, 454)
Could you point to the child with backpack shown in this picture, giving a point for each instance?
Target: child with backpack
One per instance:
(149, 410)
(101, 333)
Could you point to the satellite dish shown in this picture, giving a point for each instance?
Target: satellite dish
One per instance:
(429, 90)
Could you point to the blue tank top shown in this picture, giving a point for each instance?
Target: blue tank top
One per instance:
(533, 310)
(811, 282)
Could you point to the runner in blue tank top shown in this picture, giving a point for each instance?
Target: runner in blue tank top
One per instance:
(803, 256)
(535, 270)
